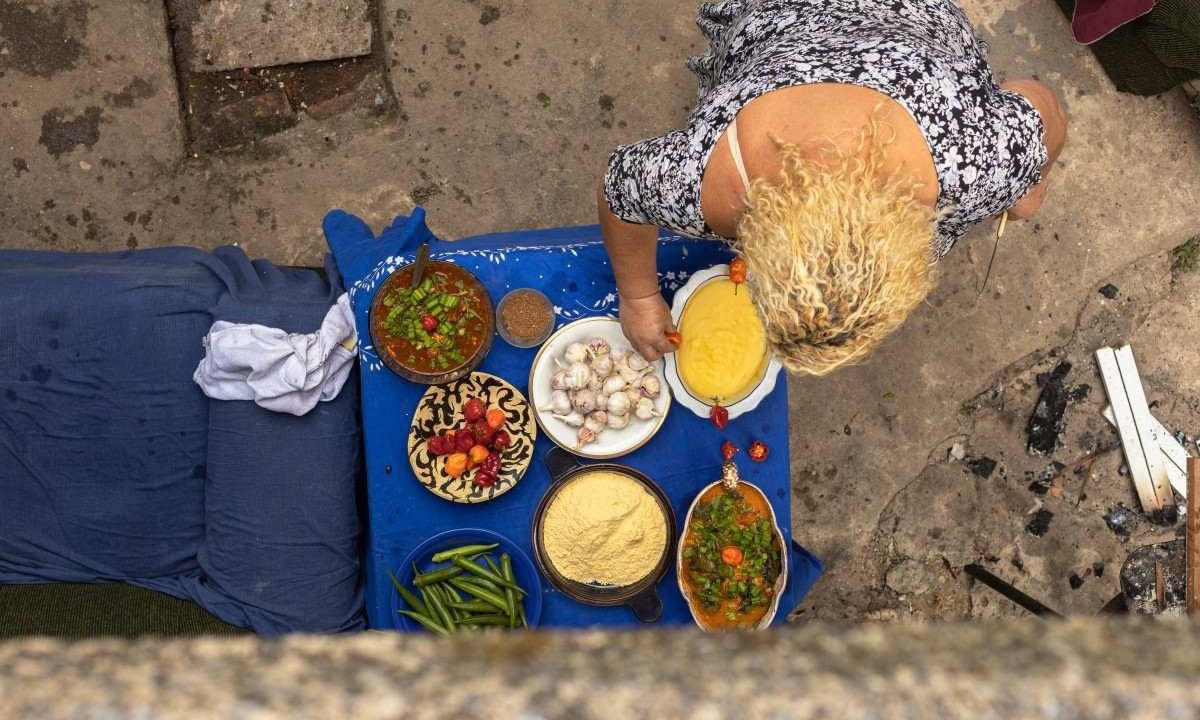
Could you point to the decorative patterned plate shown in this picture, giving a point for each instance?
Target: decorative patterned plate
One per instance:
(441, 407)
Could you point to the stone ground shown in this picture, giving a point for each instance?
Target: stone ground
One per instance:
(499, 114)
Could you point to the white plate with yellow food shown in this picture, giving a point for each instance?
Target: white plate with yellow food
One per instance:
(592, 394)
(723, 358)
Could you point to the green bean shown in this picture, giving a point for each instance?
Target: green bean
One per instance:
(462, 550)
(483, 573)
(442, 611)
(474, 606)
(483, 594)
(517, 603)
(493, 620)
(425, 622)
(409, 598)
(436, 576)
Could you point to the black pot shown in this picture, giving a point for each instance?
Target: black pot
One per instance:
(642, 596)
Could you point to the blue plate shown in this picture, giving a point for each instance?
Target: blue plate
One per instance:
(523, 569)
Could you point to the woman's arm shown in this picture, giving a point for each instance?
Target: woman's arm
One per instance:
(633, 252)
(1054, 119)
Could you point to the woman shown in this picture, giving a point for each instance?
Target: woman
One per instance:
(841, 147)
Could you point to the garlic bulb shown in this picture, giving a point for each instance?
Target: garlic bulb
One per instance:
(637, 362)
(558, 381)
(596, 384)
(585, 436)
(598, 346)
(573, 418)
(618, 404)
(618, 422)
(602, 365)
(575, 352)
(651, 386)
(596, 421)
(629, 375)
(613, 385)
(644, 410)
(578, 376)
(584, 400)
(560, 403)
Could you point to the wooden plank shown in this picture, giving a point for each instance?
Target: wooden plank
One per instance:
(1192, 541)
(1145, 425)
(1141, 450)
(1175, 456)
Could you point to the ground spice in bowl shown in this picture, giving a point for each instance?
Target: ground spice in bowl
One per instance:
(526, 317)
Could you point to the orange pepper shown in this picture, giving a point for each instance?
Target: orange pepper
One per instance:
(732, 555)
(737, 271)
(456, 464)
(478, 454)
(496, 418)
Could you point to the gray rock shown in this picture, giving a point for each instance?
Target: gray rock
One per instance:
(909, 578)
(233, 34)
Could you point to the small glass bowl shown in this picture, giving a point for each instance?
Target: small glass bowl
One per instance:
(502, 320)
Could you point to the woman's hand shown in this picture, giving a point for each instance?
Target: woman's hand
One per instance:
(646, 322)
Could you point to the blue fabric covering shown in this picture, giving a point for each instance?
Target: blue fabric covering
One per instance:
(103, 434)
(115, 467)
(571, 267)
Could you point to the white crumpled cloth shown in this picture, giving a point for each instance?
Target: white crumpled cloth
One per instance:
(279, 371)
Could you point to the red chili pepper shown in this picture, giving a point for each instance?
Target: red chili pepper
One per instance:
(675, 338)
(758, 451)
(719, 416)
(473, 409)
(484, 479)
(491, 464)
(501, 440)
(737, 271)
(464, 442)
(728, 450)
(437, 445)
(429, 322)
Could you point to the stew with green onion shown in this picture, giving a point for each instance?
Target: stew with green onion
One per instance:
(731, 558)
(434, 327)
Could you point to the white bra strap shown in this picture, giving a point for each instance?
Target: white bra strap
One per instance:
(736, 151)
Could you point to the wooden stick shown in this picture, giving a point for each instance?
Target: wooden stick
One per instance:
(1192, 540)
(1160, 586)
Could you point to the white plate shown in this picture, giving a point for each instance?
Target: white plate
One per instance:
(765, 384)
(610, 443)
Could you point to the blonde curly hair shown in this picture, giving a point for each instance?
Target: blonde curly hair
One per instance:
(837, 254)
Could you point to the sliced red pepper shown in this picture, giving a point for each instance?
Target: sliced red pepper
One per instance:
(719, 416)
(758, 451)
(728, 450)
(675, 338)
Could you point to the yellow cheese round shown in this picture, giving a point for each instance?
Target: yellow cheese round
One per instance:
(724, 349)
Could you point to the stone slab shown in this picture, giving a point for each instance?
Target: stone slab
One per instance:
(1030, 670)
(232, 34)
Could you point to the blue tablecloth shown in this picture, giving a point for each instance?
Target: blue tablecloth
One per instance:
(571, 267)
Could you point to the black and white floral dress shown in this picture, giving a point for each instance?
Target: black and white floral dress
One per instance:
(986, 143)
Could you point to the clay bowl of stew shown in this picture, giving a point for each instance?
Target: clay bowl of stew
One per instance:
(436, 332)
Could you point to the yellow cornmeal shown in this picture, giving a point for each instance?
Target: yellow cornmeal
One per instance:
(724, 349)
(604, 528)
